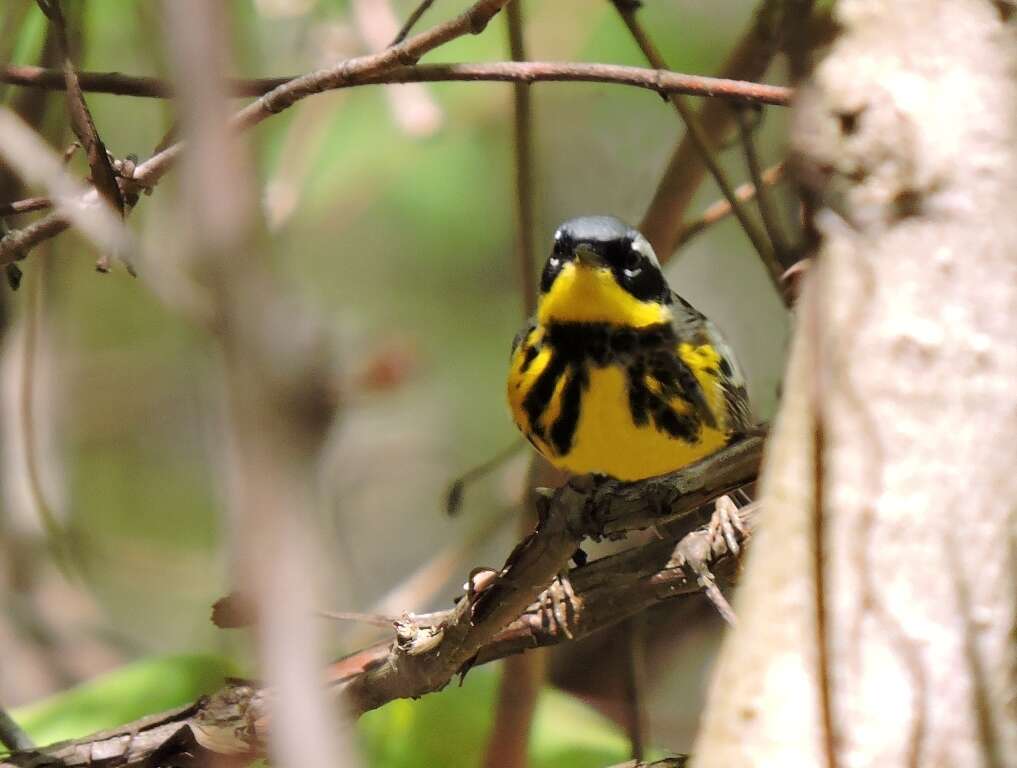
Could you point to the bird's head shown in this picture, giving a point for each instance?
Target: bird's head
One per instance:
(601, 270)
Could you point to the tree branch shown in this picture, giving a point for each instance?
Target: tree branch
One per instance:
(661, 80)
(18, 243)
(677, 761)
(412, 20)
(748, 61)
(27, 205)
(11, 734)
(775, 259)
(519, 611)
(695, 132)
(721, 209)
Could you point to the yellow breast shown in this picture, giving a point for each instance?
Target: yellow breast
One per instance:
(607, 440)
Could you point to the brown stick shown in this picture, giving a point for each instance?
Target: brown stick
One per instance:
(17, 244)
(232, 721)
(749, 61)
(411, 21)
(772, 260)
(522, 136)
(27, 205)
(721, 209)
(369, 70)
(524, 675)
(697, 135)
(663, 81)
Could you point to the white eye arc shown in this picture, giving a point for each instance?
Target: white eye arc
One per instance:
(643, 248)
(554, 261)
(637, 255)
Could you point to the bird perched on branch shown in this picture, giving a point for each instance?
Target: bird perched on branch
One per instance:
(617, 374)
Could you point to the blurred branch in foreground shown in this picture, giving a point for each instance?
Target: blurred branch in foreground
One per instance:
(523, 675)
(278, 375)
(525, 606)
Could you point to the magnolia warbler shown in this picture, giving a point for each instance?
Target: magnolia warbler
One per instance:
(616, 374)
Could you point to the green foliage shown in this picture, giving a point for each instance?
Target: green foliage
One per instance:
(450, 729)
(126, 694)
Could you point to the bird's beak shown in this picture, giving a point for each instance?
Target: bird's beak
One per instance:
(587, 256)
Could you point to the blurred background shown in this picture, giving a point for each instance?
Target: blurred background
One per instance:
(390, 211)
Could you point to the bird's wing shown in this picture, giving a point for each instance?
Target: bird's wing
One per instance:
(523, 333)
(692, 325)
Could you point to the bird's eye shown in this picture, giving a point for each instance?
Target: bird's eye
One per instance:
(554, 262)
(633, 260)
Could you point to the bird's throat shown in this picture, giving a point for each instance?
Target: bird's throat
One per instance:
(584, 294)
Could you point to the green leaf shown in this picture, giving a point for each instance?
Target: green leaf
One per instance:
(125, 694)
(451, 729)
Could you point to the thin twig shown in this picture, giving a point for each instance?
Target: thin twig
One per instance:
(677, 761)
(411, 21)
(27, 205)
(635, 684)
(454, 495)
(697, 135)
(767, 212)
(721, 209)
(471, 21)
(663, 81)
(102, 175)
(56, 537)
(374, 619)
(522, 135)
(34, 160)
(13, 735)
(749, 60)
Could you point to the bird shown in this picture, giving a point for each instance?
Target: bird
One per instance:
(617, 375)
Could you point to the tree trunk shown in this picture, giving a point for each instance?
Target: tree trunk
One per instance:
(877, 613)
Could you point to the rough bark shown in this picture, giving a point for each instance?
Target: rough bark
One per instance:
(877, 612)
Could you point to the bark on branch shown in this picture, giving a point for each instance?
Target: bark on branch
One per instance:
(663, 81)
(526, 607)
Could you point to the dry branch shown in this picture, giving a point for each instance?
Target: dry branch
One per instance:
(662, 81)
(698, 137)
(749, 61)
(524, 675)
(30, 157)
(11, 734)
(371, 70)
(777, 259)
(278, 375)
(103, 176)
(525, 614)
(721, 209)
